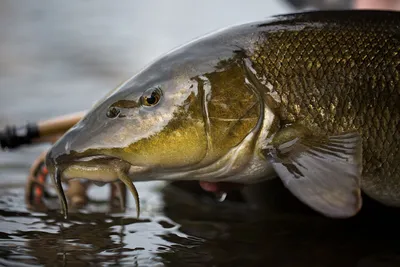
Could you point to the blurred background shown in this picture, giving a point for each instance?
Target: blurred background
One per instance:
(61, 57)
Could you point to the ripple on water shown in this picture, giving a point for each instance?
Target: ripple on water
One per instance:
(89, 235)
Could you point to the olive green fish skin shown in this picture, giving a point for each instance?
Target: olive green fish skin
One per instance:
(233, 102)
(339, 77)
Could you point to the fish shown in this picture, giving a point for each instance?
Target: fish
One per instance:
(311, 98)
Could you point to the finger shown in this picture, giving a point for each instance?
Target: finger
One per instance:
(219, 187)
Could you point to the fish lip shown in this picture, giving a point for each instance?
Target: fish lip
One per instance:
(94, 157)
(101, 168)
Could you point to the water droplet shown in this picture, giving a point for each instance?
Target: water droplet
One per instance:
(221, 196)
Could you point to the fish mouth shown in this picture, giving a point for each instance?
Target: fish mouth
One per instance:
(98, 168)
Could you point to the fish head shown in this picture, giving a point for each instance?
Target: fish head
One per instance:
(146, 123)
(183, 112)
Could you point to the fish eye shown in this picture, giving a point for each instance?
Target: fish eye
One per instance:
(151, 97)
(112, 112)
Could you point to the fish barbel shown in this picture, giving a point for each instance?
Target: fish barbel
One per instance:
(311, 98)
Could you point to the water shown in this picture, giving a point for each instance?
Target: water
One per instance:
(57, 58)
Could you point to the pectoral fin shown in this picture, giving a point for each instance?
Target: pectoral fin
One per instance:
(324, 173)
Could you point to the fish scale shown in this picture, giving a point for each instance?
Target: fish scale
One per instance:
(357, 63)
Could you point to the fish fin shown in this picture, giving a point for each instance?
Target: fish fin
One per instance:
(324, 173)
(128, 182)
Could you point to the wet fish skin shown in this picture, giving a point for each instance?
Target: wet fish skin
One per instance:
(341, 77)
(312, 97)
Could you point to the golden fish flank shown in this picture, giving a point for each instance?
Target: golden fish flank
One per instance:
(312, 98)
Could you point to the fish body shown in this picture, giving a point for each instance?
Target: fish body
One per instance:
(312, 98)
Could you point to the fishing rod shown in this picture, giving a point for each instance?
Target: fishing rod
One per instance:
(40, 132)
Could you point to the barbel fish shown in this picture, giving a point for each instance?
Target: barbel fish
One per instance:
(311, 98)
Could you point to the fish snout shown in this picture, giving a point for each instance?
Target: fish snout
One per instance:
(58, 153)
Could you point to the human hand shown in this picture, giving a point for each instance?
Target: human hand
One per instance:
(381, 4)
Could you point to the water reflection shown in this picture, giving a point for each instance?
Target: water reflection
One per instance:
(86, 237)
(288, 234)
(194, 229)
